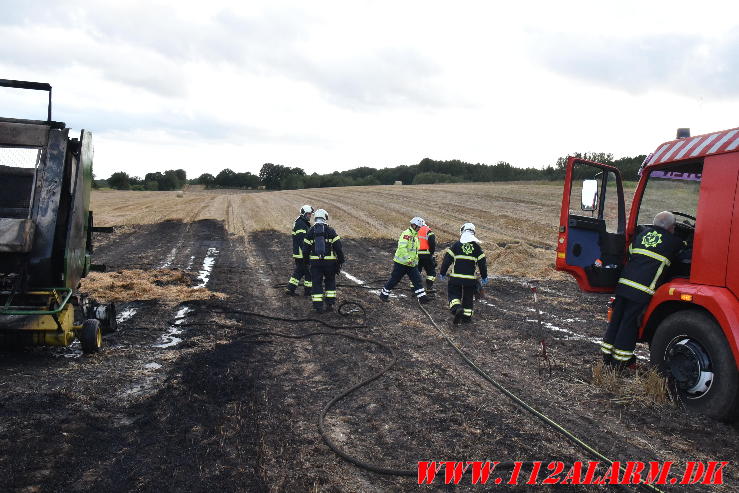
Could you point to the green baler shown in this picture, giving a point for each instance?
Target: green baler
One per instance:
(46, 233)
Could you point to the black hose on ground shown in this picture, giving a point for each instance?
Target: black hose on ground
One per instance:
(345, 393)
(256, 338)
(521, 403)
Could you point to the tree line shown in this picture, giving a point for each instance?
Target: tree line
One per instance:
(172, 179)
(279, 177)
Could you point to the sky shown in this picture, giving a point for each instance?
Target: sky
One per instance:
(334, 85)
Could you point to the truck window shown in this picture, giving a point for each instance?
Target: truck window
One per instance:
(607, 203)
(673, 188)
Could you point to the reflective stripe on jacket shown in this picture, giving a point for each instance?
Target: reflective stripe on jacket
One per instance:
(407, 251)
(300, 228)
(464, 258)
(334, 251)
(650, 253)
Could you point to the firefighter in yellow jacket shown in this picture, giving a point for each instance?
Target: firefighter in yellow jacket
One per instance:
(406, 262)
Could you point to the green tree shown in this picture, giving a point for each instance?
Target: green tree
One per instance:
(225, 178)
(292, 182)
(119, 181)
(245, 180)
(206, 179)
(271, 175)
(431, 177)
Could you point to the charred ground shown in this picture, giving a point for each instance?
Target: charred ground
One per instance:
(224, 411)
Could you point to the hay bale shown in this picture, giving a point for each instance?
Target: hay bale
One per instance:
(398, 182)
(180, 194)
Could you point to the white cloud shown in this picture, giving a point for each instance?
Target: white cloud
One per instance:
(334, 85)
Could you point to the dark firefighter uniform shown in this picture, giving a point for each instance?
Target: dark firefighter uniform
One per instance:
(302, 266)
(463, 258)
(426, 250)
(650, 254)
(323, 266)
(406, 262)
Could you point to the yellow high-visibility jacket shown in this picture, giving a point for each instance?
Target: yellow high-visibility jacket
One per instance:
(407, 251)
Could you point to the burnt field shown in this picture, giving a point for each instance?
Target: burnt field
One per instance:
(204, 396)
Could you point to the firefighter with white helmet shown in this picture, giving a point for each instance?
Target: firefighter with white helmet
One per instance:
(302, 269)
(463, 257)
(322, 246)
(406, 262)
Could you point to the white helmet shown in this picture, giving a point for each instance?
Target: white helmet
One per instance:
(418, 221)
(306, 209)
(321, 214)
(467, 227)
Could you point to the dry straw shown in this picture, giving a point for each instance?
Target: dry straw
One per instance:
(646, 387)
(167, 285)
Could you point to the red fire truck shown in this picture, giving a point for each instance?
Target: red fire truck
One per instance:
(692, 321)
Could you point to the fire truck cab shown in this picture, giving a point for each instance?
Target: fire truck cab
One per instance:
(692, 321)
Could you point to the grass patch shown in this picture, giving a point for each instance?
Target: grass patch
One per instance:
(646, 387)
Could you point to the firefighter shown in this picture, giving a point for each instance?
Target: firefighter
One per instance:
(406, 262)
(463, 257)
(323, 247)
(650, 253)
(426, 250)
(302, 266)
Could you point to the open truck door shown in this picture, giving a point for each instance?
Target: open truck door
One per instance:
(592, 240)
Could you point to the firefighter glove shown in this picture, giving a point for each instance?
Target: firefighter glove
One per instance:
(484, 282)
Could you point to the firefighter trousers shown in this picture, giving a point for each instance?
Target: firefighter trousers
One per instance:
(323, 274)
(619, 340)
(302, 271)
(426, 263)
(400, 270)
(461, 297)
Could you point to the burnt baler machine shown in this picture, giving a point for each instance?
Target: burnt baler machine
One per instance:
(46, 234)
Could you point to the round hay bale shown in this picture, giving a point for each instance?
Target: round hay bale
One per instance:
(180, 193)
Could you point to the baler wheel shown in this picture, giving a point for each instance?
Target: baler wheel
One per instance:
(91, 336)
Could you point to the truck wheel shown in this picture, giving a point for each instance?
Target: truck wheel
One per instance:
(91, 336)
(690, 349)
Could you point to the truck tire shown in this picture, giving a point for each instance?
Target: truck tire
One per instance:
(690, 349)
(91, 336)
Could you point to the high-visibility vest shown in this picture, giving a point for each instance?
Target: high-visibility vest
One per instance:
(423, 238)
(407, 251)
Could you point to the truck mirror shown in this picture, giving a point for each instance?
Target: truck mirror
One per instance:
(589, 195)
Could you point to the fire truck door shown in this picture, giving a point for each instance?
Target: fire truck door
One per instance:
(591, 239)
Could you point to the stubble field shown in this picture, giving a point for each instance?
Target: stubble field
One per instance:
(517, 221)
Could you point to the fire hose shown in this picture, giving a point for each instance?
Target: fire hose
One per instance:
(258, 336)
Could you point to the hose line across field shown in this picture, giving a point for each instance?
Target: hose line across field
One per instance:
(545, 419)
(346, 309)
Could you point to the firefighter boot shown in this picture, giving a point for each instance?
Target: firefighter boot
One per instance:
(424, 299)
(466, 320)
(429, 285)
(625, 368)
(306, 291)
(457, 312)
(290, 291)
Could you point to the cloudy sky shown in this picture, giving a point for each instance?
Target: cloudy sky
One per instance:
(333, 85)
